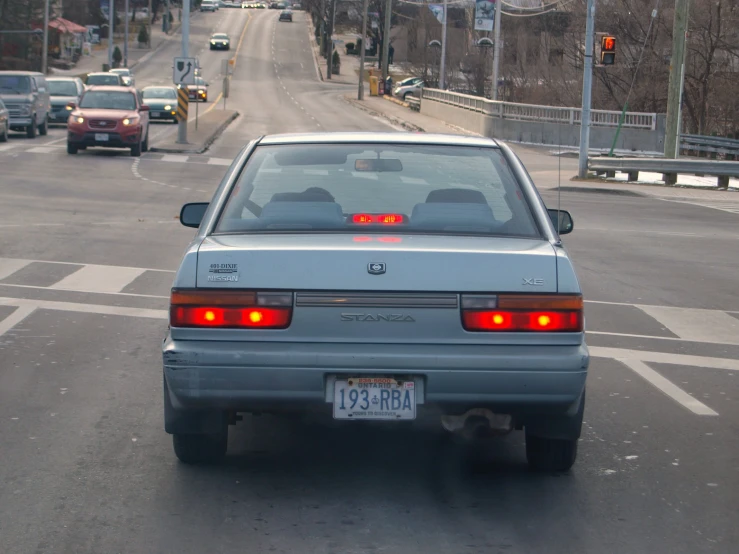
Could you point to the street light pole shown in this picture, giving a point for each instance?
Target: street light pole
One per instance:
(496, 47)
(330, 57)
(45, 47)
(125, 42)
(182, 128)
(386, 40)
(587, 86)
(442, 63)
(363, 47)
(111, 24)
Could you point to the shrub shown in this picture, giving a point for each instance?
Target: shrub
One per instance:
(117, 56)
(349, 48)
(143, 35)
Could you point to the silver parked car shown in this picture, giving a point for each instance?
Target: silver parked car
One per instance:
(377, 277)
(409, 87)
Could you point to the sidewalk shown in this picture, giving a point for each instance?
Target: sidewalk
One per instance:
(136, 55)
(210, 126)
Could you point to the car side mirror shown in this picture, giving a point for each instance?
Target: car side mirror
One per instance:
(71, 106)
(562, 221)
(191, 215)
(144, 108)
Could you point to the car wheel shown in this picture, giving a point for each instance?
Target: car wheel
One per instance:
(31, 129)
(405, 96)
(136, 150)
(71, 148)
(4, 135)
(145, 144)
(200, 449)
(43, 129)
(550, 454)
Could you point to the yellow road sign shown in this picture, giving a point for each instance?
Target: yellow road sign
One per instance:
(182, 103)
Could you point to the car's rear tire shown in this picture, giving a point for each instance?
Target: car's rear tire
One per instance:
(200, 449)
(4, 134)
(31, 129)
(136, 150)
(550, 454)
(71, 148)
(43, 129)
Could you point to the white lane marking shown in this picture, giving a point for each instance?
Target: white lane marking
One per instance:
(6, 147)
(134, 295)
(651, 337)
(83, 308)
(219, 161)
(15, 318)
(8, 266)
(668, 387)
(41, 150)
(2, 261)
(696, 325)
(57, 141)
(99, 278)
(174, 158)
(664, 358)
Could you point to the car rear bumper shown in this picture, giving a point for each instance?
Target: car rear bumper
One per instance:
(115, 140)
(299, 376)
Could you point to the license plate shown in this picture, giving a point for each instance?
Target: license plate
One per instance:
(155, 114)
(102, 137)
(374, 398)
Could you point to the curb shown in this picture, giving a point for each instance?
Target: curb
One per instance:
(199, 149)
(408, 126)
(313, 47)
(396, 101)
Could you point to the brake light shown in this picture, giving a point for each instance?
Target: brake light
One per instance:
(230, 309)
(523, 313)
(382, 219)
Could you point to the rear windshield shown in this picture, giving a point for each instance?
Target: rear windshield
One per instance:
(15, 84)
(62, 88)
(160, 93)
(370, 188)
(112, 79)
(108, 100)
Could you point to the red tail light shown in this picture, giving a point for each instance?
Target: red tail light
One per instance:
(381, 219)
(230, 309)
(523, 313)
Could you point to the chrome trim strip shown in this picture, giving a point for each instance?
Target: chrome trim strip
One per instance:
(376, 300)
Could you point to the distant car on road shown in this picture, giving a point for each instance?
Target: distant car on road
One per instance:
(409, 87)
(220, 41)
(63, 90)
(26, 97)
(286, 15)
(111, 117)
(199, 91)
(377, 276)
(126, 76)
(104, 79)
(4, 122)
(162, 102)
(208, 6)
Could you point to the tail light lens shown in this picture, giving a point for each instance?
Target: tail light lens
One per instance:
(523, 313)
(229, 309)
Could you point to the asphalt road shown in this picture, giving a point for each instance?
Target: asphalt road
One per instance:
(88, 246)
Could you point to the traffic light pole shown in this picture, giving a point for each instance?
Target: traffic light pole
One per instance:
(496, 46)
(587, 87)
(363, 47)
(182, 129)
(674, 90)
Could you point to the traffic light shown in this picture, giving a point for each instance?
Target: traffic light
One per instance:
(607, 50)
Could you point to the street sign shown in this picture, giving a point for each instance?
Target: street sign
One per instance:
(184, 70)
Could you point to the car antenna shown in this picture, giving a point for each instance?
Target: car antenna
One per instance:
(559, 176)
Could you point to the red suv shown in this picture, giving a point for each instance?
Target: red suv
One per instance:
(109, 116)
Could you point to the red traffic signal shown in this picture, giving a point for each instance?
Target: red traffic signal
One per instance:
(607, 50)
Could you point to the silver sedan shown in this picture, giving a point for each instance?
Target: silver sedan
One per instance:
(377, 277)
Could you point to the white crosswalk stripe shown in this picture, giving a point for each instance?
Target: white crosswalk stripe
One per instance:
(99, 278)
(731, 207)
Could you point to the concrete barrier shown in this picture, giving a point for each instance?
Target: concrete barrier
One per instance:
(565, 133)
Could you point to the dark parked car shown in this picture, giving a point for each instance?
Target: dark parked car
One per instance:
(286, 15)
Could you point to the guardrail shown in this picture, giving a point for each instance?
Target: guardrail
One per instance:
(714, 145)
(413, 103)
(534, 112)
(668, 167)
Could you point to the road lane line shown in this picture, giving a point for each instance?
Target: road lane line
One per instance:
(15, 318)
(41, 150)
(651, 337)
(219, 161)
(668, 387)
(8, 266)
(83, 308)
(176, 158)
(696, 325)
(99, 278)
(664, 358)
(133, 295)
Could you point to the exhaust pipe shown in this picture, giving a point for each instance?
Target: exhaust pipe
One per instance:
(478, 423)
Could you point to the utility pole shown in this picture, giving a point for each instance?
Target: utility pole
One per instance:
(497, 45)
(125, 42)
(674, 90)
(587, 86)
(330, 58)
(167, 22)
(386, 40)
(182, 128)
(111, 23)
(363, 48)
(442, 63)
(45, 47)
(151, 20)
